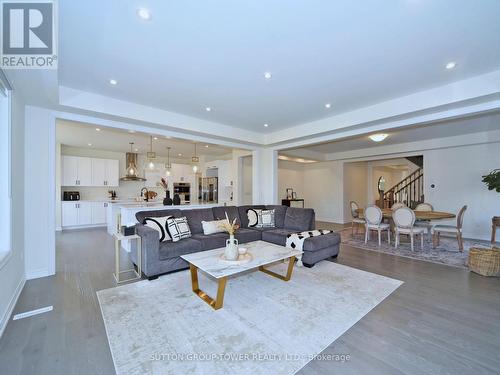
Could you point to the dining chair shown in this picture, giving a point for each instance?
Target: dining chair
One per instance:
(404, 220)
(424, 223)
(356, 220)
(456, 229)
(424, 207)
(373, 217)
(397, 205)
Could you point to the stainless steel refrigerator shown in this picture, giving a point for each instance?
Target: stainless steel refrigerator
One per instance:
(208, 188)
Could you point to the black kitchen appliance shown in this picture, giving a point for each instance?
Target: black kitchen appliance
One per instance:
(71, 196)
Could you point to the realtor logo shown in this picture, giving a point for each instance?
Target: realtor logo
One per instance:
(28, 35)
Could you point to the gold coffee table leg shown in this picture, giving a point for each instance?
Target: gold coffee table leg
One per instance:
(221, 287)
(288, 276)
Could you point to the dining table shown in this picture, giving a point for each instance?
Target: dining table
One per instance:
(419, 215)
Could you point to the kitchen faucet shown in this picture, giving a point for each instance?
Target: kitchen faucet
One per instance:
(146, 196)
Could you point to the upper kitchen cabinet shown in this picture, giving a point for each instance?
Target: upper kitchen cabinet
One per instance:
(76, 171)
(82, 171)
(105, 172)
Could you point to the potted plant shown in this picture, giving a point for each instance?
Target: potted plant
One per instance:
(231, 251)
(492, 180)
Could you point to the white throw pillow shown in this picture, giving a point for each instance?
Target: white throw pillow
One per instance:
(266, 219)
(159, 224)
(178, 228)
(211, 227)
(253, 217)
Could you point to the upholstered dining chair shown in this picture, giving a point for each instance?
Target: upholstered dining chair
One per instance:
(424, 223)
(397, 205)
(404, 220)
(356, 220)
(455, 229)
(424, 207)
(373, 217)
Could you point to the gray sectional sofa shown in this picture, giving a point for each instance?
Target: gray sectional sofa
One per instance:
(163, 257)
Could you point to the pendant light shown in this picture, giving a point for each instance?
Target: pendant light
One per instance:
(131, 168)
(151, 155)
(195, 160)
(168, 166)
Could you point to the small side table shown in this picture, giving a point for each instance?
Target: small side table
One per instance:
(495, 223)
(118, 244)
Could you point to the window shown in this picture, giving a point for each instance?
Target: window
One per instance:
(5, 172)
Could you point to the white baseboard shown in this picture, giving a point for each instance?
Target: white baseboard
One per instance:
(10, 307)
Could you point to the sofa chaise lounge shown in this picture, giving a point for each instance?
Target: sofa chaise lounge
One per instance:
(163, 257)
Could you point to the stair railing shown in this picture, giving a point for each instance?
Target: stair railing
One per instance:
(409, 191)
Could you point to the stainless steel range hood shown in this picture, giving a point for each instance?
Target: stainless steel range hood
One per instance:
(132, 173)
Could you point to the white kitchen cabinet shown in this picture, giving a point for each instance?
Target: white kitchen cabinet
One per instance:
(99, 212)
(81, 213)
(83, 171)
(76, 171)
(69, 214)
(105, 172)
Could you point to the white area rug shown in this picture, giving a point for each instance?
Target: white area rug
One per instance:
(267, 326)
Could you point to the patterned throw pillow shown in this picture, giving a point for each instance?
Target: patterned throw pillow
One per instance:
(258, 218)
(178, 228)
(159, 224)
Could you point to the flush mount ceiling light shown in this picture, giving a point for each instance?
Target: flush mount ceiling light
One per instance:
(195, 160)
(268, 75)
(328, 105)
(113, 82)
(168, 166)
(144, 14)
(208, 109)
(151, 155)
(451, 65)
(378, 137)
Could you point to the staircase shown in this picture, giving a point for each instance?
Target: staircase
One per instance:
(409, 191)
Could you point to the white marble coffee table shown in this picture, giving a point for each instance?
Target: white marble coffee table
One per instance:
(263, 253)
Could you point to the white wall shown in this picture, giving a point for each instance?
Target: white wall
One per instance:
(12, 274)
(247, 176)
(456, 173)
(290, 175)
(324, 190)
(355, 187)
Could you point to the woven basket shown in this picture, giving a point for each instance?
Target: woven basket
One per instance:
(485, 262)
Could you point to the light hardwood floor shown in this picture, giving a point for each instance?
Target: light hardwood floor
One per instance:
(441, 320)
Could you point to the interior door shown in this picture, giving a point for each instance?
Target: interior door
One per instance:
(99, 167)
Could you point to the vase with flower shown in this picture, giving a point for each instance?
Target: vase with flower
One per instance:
(167, 201)
(231, 250)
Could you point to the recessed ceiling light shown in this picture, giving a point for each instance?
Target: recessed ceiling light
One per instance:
(208, 109)
(328, 105)
(97, 129)
(378, 137)
(144, 14)
(206, 146)
(155, 138)
(113, 82)
(267, 75)
(451, 65)
(90, 144)
(136, 149)
(266, 125)
(180, 154)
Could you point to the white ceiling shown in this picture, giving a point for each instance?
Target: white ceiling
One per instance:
(414, 134)
(77, 134)
(194, 54)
